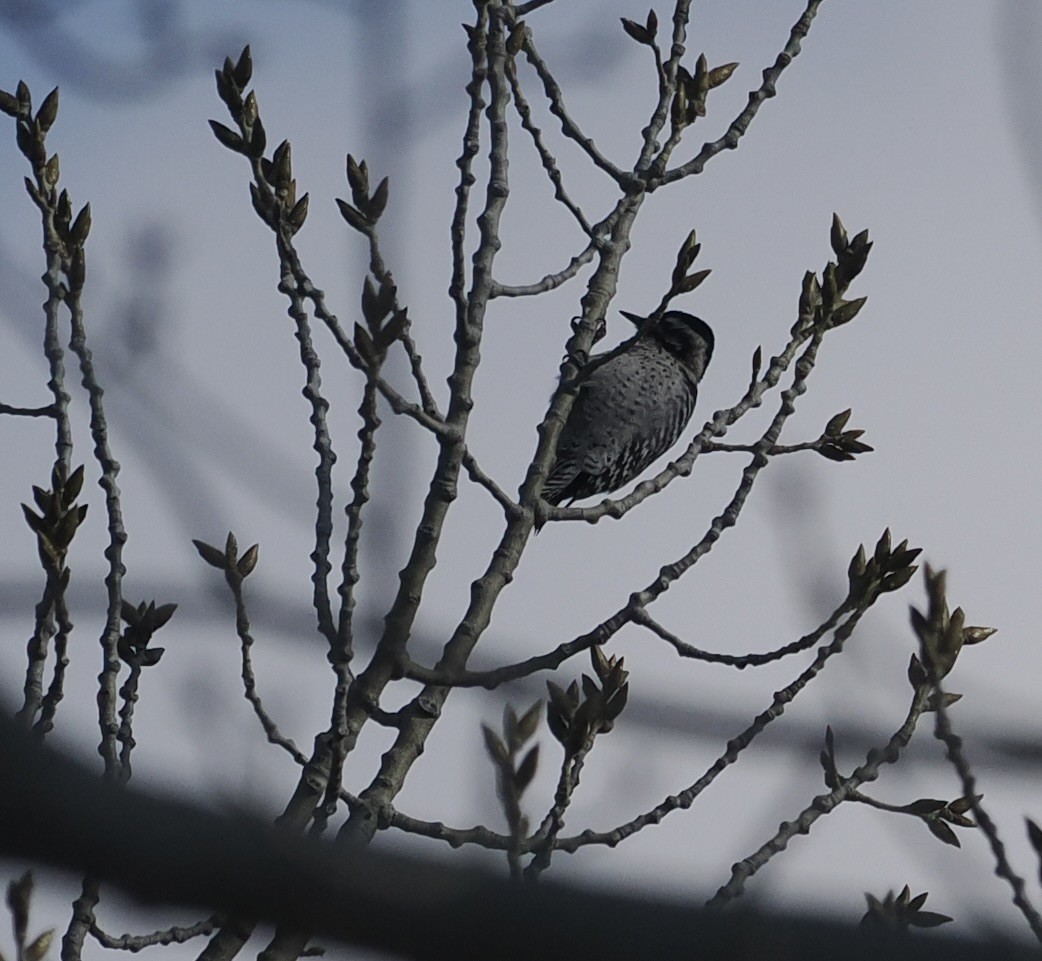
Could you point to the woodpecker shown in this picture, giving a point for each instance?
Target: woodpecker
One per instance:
(631, 409)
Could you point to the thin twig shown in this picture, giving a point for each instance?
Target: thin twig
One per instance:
(571, 769)
(477, 45)
(684, 799)
(741, 661)
(549, 281)
(944, 732)
(82, 919)
(129, 694)
(555, 98)
(322, 444)
(398, 403)
(50, 410)
(738, 126)
(667, 85)
(825, 803)
(56, 689)
(68, 260)
(454, 837)
(249, 679)
(36, 651)
(342, 652)
(117, 534)
(510, 507)
(378, 268)
(713, 446)
(546, 158)
(138, 942)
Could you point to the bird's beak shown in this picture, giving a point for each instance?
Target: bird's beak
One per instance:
(635, 319)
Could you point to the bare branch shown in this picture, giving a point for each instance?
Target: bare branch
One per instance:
(477, 45)
(826, 803)
(945, 733)
(805, 643)
(138, 942)
(685, 798)
(510, 507)
(323, 444)
(454, 837)
(50, 410)
(550, 281)
(546, 158)
(555, 98)
(738, 126)
(543, 848)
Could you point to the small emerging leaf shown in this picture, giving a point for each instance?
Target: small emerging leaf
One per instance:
(858, 563)
(74, 484)
(210, 554)
(250, 110)
(366, 347)
(950, 698)
(1034, 835)
(248, 561)
(926, 806)
(227, 137)
(258, 139)
(836, 424)
(928, 919)
(353, 216)
(392, 330)
(163, 614)
(691, 281)
(357, 176)
(526, 769)
(497, 750)
(8, 104)
(941, 831)
(974, 635)
(295, 218)
(39, 947)
(847, 311)
(636, 31)
(244, 68)
(378, 201)
(25, 100)
(80, 226)
(719, 75)
(19, 894)
(48, 111)
(838, 236)
(529, 722)
(916, 672)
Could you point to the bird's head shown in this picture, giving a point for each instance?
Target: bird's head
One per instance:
(686, 337)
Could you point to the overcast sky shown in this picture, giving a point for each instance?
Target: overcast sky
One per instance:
(918, 121)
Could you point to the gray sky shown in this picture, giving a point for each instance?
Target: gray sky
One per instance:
(918, 121)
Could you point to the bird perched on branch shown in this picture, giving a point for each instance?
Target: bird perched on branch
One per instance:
(631, 409)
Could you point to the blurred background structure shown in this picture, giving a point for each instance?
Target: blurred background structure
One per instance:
(918, 121)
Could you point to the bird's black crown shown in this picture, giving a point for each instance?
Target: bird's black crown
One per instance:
(686, 337)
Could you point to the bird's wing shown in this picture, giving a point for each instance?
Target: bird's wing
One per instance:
(591, 442)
